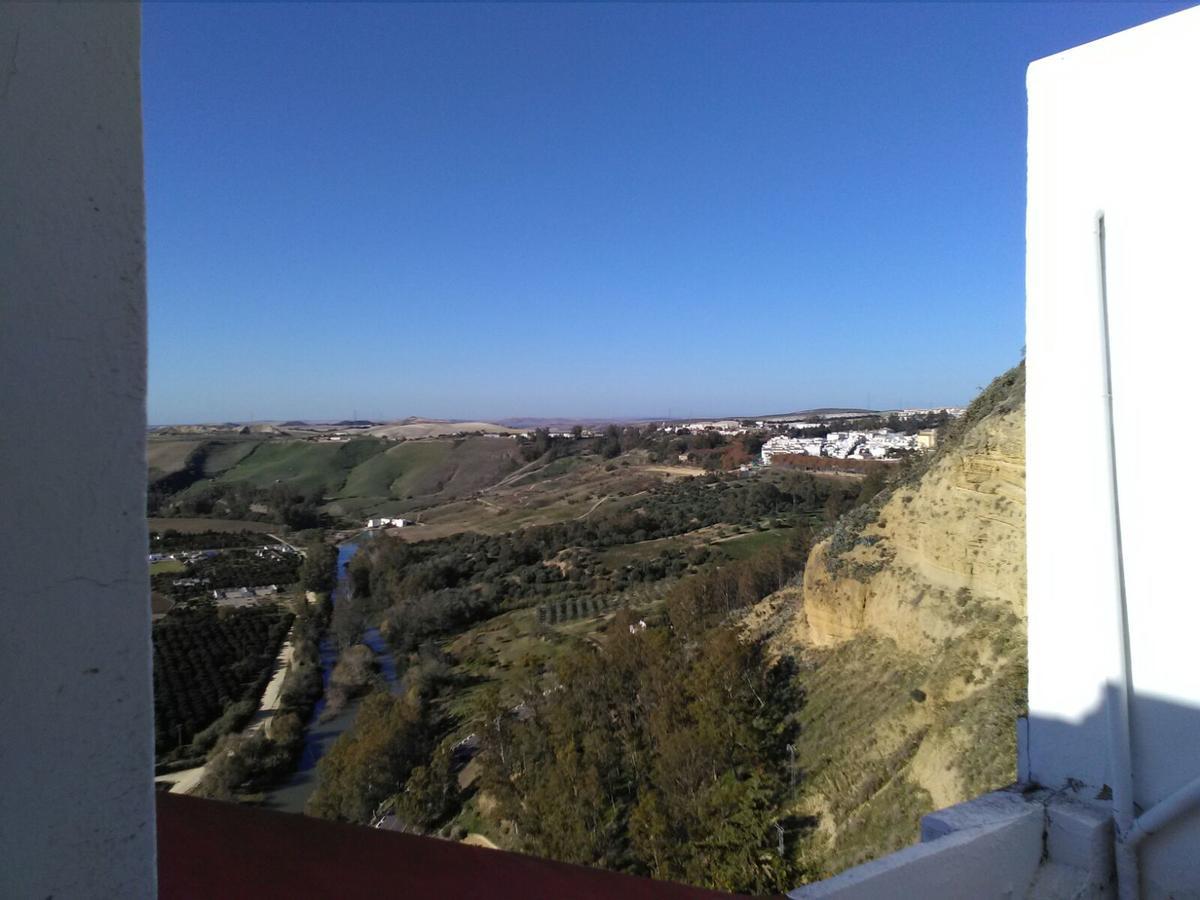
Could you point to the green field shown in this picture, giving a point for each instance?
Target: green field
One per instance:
(303, 465)
(747, 545)
(359, 477)
(388, 474)
(166, 455)
(167, 565)
(226, 455)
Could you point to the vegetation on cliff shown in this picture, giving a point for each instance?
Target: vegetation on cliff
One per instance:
(911, 632)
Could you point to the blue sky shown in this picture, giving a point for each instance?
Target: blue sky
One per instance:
(631, 210)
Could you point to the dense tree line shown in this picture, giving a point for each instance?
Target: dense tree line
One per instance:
(241, 569)
(662, 755)
(205, 661)
(393, 735)
(319, 572)
(296, 508)
(409, 624)
(170, 541)
(698, 603)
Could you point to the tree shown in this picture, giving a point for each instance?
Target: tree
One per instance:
(834, 505)
(430, 794)
(319, 570)
(610, 446)
(678, 782)
(875, 482)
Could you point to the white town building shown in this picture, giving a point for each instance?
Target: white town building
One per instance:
(875, 444)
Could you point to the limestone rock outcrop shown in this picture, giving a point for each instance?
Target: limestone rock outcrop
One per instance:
(906, 567)
(910, 627)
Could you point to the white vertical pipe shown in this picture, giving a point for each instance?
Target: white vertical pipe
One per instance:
(1120, 689)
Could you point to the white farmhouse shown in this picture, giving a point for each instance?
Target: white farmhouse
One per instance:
(385, 521)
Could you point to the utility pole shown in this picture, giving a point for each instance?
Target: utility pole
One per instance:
(791, 749)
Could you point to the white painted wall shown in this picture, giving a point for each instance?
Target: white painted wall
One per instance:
(988, 848)
(76, 754)
(1115, 126)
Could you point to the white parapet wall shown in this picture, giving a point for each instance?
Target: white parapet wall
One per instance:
(990, 847)
(76, 713)
(1114, 129)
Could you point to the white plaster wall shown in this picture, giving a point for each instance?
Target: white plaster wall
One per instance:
(1115, 126)
(991, 853)
(76, 754)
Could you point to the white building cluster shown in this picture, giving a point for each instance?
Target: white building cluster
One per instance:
(955, 411)
(385, 521)
(878, 444)
(726, 427)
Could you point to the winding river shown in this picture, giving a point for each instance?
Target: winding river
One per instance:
(319, 736)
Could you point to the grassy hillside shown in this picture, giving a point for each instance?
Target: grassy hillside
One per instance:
(302, 464)
(166, 457)
(373, 479)
(415, 474)
(356, 478)
(220, 456)
(175, 462)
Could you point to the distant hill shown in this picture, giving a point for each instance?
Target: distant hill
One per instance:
(824, 412)
(357, 477)
(426, 428)
(222, 428)
(565, 423)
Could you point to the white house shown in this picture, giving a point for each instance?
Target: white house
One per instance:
(385, 521)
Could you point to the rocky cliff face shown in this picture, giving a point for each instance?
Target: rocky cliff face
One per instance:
(901, 567)
(911, 627)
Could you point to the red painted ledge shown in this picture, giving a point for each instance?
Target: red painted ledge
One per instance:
(208, 849)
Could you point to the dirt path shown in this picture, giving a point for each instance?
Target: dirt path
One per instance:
(291, 547)
(675, 470)
(595, 506)
(513, 476)
(186, 781)
(182, 782)
(474, 839)
(273, 694)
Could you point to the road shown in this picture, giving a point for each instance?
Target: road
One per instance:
(273, 694)
(291, 547)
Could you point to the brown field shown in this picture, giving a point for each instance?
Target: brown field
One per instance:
(539, 495)
(686, 471)
(413, 430)
(191, 526)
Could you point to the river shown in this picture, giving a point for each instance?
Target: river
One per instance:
(319, 736)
